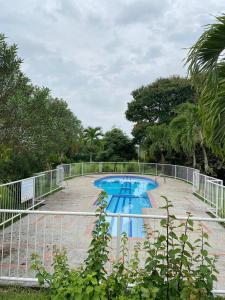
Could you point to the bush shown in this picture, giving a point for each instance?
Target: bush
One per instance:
(175, 268)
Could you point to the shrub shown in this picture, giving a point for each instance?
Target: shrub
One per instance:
(175, 267)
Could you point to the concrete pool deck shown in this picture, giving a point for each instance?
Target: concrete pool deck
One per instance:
(38, 233)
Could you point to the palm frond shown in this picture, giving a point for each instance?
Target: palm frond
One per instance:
(206, 61)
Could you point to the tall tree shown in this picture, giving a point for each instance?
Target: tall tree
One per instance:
(117, 146)
(206, 61)
(91, 137)
(36, 130)
(155, 102)
(186, 132)
(9, 69)
(157, 141)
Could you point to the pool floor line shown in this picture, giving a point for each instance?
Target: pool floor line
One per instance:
(130, 219)
(115, 209)
(127, 196)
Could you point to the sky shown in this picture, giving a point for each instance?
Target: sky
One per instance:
(94, 53)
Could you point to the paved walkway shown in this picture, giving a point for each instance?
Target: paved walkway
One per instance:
(39, 233)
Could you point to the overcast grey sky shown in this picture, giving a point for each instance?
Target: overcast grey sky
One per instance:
(93, 53)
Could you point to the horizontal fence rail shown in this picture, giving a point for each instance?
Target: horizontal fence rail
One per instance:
(30, 192)
(79, 169)
(27, 193)
(209, 189)
(24, 231)
(40, 232)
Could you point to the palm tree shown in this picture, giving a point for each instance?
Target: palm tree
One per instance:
(206, 61)
(92, 136)
(186, 132)
(157, 140)
(183, 137)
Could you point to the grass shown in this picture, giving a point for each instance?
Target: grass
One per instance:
(18, 293)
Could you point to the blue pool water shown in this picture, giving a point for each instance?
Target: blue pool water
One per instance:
(126, 194)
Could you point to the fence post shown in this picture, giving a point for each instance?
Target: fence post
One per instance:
(82, 169)
(205, 188)
(156, 169)
(194, 182)
(51, 182)
(62, 175)
(198, 180)
(175, 171)
(118, 238)
(100, 167)
(70, 170)
(33, 200)
(217, 199)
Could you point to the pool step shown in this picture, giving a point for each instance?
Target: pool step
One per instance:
(126, 188)
(125, 191)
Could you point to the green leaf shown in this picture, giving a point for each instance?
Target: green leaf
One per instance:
(184, 238)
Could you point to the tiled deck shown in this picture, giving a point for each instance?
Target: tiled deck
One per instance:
(39, 233)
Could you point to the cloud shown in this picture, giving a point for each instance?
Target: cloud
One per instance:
(142, 11)
(94, 53)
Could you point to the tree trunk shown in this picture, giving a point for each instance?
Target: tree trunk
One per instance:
(61, 158)
(206, 162)
(162, 158)
(194, 159)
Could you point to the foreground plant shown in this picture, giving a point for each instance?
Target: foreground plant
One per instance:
(176, 267)
(88, 281)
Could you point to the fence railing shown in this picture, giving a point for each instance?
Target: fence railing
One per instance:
(24, 231)
(210, 189)
(28, 193)
(179, 172)
(41, 231)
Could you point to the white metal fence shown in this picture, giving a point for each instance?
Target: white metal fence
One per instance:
(24, 231)
(179, 172)
(41, 231)
(28, 193)
(210, 189)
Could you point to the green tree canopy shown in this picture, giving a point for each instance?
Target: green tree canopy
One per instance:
(117, 146)
(92, 137)
(36, 130)
(157, 141)
(155, 102)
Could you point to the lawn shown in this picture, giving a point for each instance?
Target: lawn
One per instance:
(16, 293)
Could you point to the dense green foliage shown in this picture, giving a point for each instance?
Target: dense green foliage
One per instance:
(174, 133)
(193, 110)
(91, 138)
(176, 267)
(116, 146)
(206, 62)
(155, 102)
(36, 130)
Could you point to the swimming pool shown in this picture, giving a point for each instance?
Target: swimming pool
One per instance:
(126, 194)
